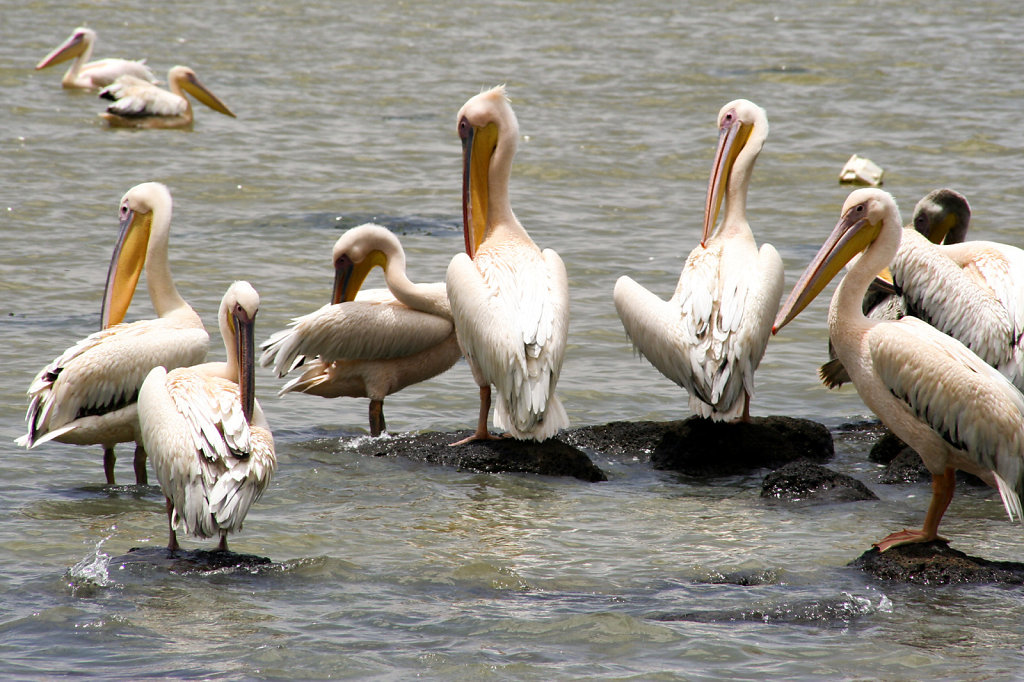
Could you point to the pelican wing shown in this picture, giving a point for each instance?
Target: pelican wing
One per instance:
(966, 401)
(137, 97)
(726, 307)
(512, 319)
(104, 371)
(375, 328)
(103, 72)
(223, 465)
(956, 300)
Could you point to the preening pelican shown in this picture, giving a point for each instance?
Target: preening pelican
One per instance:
(942, 216)
(373, 345)
(87, 396)
(212, 449)
(711, 335)
(932, 391)
(509, 299)
(89, 75)
(140, 104)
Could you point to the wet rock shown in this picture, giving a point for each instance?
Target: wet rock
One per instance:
(553, 457)
(936, 563)
(886, 448)
(620, 438)
(908, 467)
(810, 483)
(188, 560)
(702, 447)
(824, 612)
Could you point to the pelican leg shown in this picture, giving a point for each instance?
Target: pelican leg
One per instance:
(943, 486)
(172, 542)
(746, 407)
(377, 424)
(481, 432)
(223, 546)
(141, 476)
(108, 463)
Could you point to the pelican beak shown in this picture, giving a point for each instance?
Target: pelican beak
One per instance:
(732, 136)
(125, 265)
(349, 275)
(852, 234)
(195, 87)
(478, 146)
(245, 331)
(884, 282)
(72, 47)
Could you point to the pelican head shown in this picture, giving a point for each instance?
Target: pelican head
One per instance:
(79, 43)
(357, 252)
(943, 216)
(864, 214)
(488, 129)
(742, 129)
(135, 215)
(238, 311)
(184, 79)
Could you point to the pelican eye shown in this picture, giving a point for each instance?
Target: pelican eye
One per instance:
(464, 128)
(124, 210)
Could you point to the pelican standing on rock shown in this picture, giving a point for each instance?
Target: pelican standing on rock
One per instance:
(934, 393)
(711, 335)
(373, 345)
(212, 449)
(141, 104)
(509, 299)
(87, 396)
(88, 75)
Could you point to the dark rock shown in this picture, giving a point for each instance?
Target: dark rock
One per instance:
(886, 448)
(702, 447)
(936, 563)
(813, 484)
(188, 560)
(620, 438)
(908, 467)
(552, 457)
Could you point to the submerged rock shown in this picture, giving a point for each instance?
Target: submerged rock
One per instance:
(702, 447)
(936, 563)
(810, 483)
(552, 457)
(189, 560)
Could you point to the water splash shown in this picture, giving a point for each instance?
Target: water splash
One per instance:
(92, 572)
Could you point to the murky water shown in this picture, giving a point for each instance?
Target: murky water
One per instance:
(389, 569)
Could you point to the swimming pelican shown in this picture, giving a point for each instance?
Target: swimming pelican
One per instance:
(932, 391)
(87, 396)
(373, 345)
(711, 335)
(212, 449)
(95, 74)
(509, 299)
(942, 216)
(140, 104)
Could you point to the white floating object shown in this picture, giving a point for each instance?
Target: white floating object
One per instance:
(861, 171)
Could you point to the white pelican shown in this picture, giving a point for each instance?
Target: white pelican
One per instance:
(932, 391)
(95, 74)
(711, 335)
(87, 396)
(140, 104)
(509, 299)
(373, 345)
(943, 216)
(212, 449)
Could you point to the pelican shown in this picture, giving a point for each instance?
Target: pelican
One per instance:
(711, 335)
(933, 392)
(212, 449)
(509, 299)
(373, 345)
(141, 104)
(942, 216)
(88, 75)
(87, 396)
